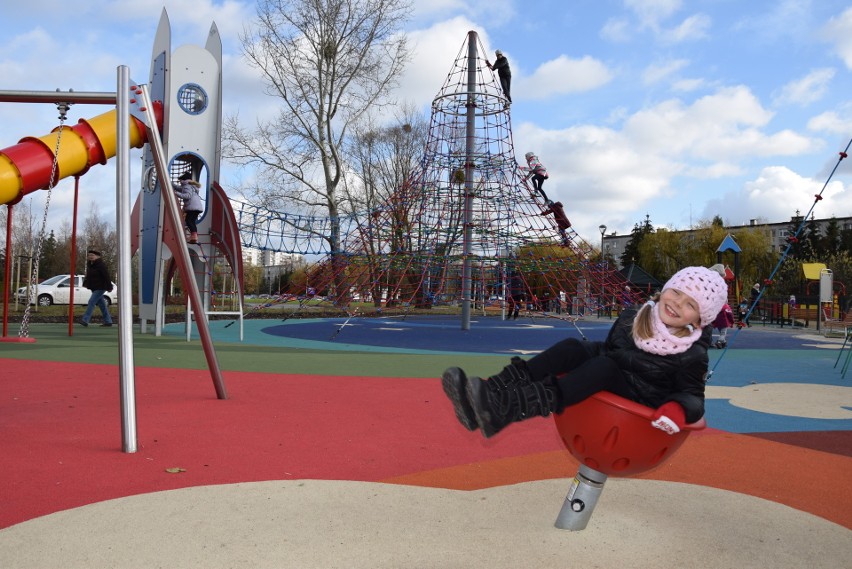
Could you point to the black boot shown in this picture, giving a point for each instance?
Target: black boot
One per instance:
(503, 400)
(454, 382)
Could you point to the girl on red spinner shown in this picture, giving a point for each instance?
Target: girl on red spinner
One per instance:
(656, 356)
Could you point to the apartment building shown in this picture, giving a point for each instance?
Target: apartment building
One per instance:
(615, 244)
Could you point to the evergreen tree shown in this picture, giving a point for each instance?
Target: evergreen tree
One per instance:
(811, 240)
(48, 263)
(632, 252)
(794, 240)
(631, 249)
(830, 242)
(845, 240)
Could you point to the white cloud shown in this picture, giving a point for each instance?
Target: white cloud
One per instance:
(652, 15)
(714, 171)
(810, 88)
(565, 75)
(778, 21)
(776, 193)
(434, 50)
(657, 72)
(688, 85)
(609, 174)
(652, 12)
(616, 30)
(838, 31)
(598, 173)
(713, 127)
(833, 122)
(492, 12)
(692, 28)
(192, 15)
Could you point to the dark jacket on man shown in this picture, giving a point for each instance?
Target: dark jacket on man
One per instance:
(501, 66)
(97, 276)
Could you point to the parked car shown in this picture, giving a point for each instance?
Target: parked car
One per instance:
(57, 290)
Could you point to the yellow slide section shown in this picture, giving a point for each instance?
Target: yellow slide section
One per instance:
(26, 166)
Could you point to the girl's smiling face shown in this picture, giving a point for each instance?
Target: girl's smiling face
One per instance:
(677, 309)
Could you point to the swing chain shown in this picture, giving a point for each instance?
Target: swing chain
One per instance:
(25, 321)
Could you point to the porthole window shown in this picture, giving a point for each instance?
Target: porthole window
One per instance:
(192, 98)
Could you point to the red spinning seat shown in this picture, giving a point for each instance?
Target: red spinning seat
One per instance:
(613, 435)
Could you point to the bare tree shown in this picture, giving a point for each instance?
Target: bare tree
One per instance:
(24, 237)
(383, 161)
(98, 234)
(383, 158)
(329, 61)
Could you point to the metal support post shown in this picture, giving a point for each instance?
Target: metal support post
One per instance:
(581, 500)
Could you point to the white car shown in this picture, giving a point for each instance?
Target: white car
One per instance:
(57, 290)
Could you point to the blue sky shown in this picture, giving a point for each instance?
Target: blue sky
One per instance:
(679, 110)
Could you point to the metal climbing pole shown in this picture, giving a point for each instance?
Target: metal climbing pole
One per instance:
(470, 133)
(127, 388)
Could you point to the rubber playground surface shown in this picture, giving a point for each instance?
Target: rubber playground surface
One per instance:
(337, 448)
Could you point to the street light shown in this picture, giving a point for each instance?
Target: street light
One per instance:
(602, 229)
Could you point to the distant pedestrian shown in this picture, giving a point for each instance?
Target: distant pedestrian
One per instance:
(755, 298)
(501, 65)
(742, 311)
(723, 321)
(97, 280)
(515, 297)
(791, 308)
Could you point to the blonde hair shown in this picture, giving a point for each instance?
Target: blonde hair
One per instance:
(193, 182)
(643, 324)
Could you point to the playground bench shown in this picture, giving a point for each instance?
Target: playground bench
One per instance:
(838, 326)
(803, 316)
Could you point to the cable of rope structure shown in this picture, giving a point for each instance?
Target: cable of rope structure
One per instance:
(409, 251)
(791, 240)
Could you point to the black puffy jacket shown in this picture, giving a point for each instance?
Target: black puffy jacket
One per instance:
(97, 276)
(659, 379)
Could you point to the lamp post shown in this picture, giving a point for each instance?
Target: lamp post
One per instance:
(602, 229)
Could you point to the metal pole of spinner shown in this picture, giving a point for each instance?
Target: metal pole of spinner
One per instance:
(581, 500)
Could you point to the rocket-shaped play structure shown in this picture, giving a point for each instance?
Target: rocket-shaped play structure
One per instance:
(177, 120)
(189, 82)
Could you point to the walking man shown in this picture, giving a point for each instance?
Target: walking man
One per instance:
(97, 280)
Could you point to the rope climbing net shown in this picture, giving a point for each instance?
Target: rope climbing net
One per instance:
(468, 201)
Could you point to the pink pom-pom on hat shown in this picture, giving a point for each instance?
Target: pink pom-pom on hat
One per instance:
(705, 286)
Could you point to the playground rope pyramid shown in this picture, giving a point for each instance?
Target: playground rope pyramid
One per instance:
(470, 202)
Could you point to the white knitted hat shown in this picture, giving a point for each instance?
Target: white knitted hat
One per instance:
(705, 286)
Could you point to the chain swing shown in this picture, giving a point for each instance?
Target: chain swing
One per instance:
(24, 332)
